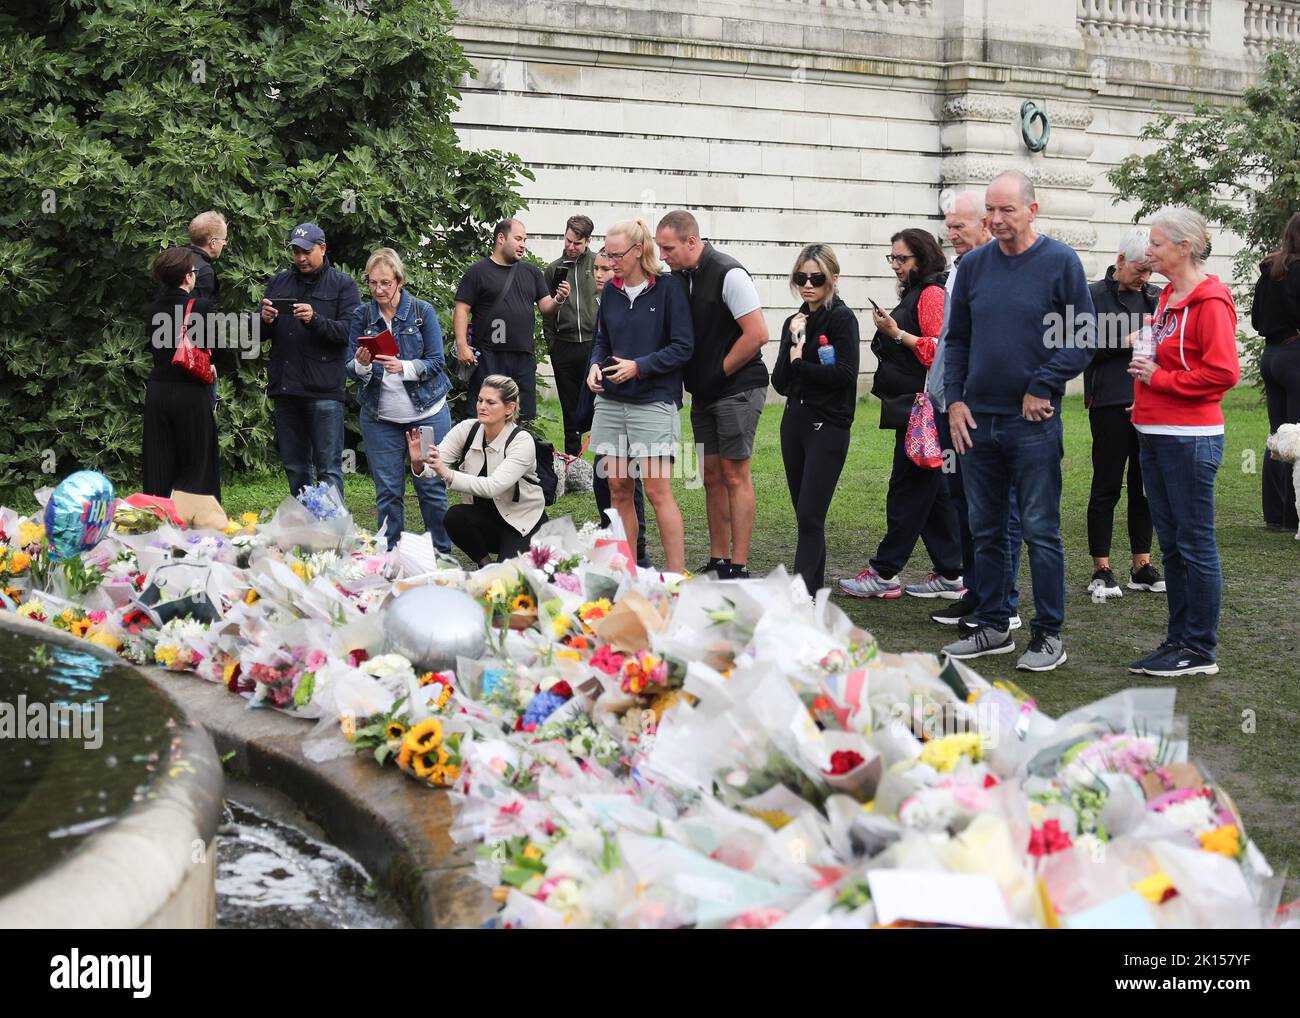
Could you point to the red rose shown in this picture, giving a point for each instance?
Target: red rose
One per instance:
(563, 689)
(358, 656)
(843, 761)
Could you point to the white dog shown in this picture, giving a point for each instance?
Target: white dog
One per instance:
(1284, 445)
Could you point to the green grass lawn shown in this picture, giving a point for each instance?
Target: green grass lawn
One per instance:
(1244, 722)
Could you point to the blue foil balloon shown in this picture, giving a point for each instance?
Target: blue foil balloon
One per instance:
(78, 513)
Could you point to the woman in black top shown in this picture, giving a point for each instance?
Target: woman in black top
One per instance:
(820, 400)
(1275, 315)
(180, 434)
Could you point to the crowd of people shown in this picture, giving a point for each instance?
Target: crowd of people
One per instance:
(986, 345)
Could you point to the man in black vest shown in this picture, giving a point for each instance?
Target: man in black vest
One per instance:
(727, 381)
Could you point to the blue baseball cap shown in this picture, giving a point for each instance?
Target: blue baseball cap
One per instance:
(307, 236)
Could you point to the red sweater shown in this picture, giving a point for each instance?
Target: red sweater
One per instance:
(1196, 360)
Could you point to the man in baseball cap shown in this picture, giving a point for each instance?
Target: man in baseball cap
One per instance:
(307, 314)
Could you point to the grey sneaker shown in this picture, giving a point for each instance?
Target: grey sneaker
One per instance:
(935, 585)
(984, 640)
(870, 583)
(1045, 653)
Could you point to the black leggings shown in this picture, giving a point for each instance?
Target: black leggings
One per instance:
(814, 452)
(1115, 441)
(1279, 366)
(478, 529)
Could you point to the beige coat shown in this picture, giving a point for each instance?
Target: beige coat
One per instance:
(505, 467)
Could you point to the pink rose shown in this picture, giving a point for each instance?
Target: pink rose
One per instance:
(316, 660)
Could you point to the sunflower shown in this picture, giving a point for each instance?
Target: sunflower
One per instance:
(394, 730)
(523, 603)
(424, 737)
(425, 765)
(19, 562)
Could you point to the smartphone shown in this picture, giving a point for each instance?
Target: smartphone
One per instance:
(874, 304)
(561, 274)
(608, 364)
(426, 441)
(284, 305)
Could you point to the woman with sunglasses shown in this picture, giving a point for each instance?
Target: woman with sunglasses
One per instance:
(644, 337)
(916, 505)
(821, 395)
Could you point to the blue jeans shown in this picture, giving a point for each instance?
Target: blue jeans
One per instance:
(386, 452)
(1012, 455)
(309, 437)
(1178, 472)
(957, 495)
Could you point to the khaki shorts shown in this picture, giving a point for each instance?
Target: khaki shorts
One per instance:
(636, 430)
(727, 426)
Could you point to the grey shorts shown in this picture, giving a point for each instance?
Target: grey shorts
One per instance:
(727, 426)
(636, 430)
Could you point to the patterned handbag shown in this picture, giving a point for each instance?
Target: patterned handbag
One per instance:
(922, 440)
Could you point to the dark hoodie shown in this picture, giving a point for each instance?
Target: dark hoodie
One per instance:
(1196, 361)
(1106, 381)
(828, 392)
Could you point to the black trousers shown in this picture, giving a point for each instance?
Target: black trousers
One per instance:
(180, 440)
(600, 488)
(569, 364)
(813, 452)
(516, 364)
(1279, 366)
(918, 506)
(478, 529)
(1115, 442)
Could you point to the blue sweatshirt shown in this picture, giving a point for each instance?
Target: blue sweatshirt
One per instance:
(656, 332)
(1017, 324)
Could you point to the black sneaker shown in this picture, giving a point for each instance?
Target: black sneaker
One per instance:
(1139, 666)
(644, 562)
(719, 567)
(1104, 585)
(735, 572)
(954, 613)
(1181, 661)
(1146, 578)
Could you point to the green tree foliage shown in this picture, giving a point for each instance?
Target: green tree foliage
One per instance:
(121, 119)
(1239, 166)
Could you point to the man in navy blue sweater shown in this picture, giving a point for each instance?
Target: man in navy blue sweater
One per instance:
(1022, 323)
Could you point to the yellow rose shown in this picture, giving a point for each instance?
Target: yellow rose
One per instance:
(106, 640)
(19, 562)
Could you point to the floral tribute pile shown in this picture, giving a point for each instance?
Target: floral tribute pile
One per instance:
(650, 750)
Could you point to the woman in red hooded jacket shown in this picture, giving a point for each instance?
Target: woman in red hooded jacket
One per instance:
(1179, 419)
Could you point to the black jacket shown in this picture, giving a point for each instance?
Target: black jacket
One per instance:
(826, 391)
(1106, 381)
(310, 360)
(162, 334)
(1275, 314)
(206, 282)
(899, 372)
(716, 332)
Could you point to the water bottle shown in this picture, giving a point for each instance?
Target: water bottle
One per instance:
(1144, 343)
(825, 352)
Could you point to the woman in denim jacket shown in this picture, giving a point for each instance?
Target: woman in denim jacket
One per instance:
(401, 393)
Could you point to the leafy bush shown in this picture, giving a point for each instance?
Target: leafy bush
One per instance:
(122, 119)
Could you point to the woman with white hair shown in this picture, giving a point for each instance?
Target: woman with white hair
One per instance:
(400, 392)
(1122, 301)
(1179, 420)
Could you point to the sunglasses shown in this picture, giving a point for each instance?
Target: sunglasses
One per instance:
(816, 278)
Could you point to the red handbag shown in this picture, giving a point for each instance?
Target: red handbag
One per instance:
(189, 357)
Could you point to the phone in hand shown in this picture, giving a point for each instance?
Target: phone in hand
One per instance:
(561, 275)
(875, 306)
(426, 441)
(608, 364)
(284, 305)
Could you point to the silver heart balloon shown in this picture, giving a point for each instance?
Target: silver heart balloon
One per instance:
(433, 625)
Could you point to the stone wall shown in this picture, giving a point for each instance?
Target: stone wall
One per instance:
(782, 122)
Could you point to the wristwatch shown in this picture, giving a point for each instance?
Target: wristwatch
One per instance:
(898, 339)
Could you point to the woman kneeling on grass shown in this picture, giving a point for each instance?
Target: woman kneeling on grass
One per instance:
(495, 462)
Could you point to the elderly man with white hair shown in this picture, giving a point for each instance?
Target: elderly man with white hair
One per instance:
(1122, 300)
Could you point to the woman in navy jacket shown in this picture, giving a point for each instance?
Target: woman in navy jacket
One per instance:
(644, 338)
(401, 393)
